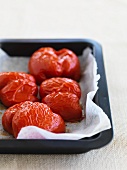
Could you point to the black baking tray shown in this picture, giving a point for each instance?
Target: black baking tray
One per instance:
(25, 47)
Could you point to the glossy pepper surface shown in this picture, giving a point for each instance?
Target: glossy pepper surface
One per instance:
(59, 84)
(47, 62)
(65, 104)
(16, 87)
(34, 114)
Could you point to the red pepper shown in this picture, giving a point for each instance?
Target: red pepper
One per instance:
(47, 62)
(59, 85)
(16, 87)
(65, 104)
(34, 114)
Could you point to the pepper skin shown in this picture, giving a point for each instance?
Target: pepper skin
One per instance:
(35, 114)
(47, 63)
(65, 104)
(6, 77)
(8, 116)
(17, 91)
(16, 87)
(59, 84)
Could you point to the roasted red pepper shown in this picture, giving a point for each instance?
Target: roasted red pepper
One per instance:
(34, 114)
(59, 85)
(17, 87)
(47, 62)
(65, 104)
(8, 116)
(6, 77)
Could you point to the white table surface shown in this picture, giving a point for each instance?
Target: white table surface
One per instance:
(102, 20)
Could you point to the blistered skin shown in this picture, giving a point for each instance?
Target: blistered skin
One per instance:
(6, 77)
(17, 91)
(44, 64)
(59, 85)
(37, 114)
(47, 63)
(65, 104)
(70, 64)
(16, 87)
(8, 116)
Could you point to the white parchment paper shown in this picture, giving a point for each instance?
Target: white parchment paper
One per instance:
(96, 120)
